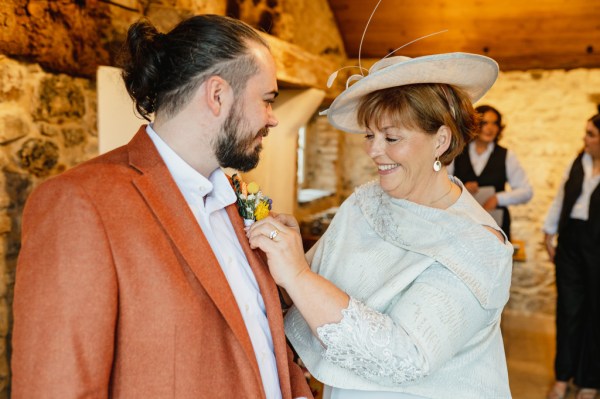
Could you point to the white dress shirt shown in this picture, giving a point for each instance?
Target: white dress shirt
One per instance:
(520, 188)
(207, 198)
(582, 205)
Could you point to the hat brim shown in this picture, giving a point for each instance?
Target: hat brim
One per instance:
(474, 74)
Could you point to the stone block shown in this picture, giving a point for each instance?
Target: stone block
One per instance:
(4, 319)
(5, 223)
(12, 125)
(11, 80)
(4, 198)
(60, 99)
(73, 136)
(39, 157)
(48, 130)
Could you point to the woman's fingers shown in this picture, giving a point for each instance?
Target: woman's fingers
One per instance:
(262, 241)
(288, 220)
(268, 227)
(273, 227)
(281, 244)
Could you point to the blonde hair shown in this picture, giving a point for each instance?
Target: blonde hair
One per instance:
(425, 107)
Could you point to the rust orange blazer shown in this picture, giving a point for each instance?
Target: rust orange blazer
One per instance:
(119, 295)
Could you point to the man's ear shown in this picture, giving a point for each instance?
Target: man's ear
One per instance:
(443, 139)
(216, 90)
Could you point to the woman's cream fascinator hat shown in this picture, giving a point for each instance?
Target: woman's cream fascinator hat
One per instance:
(474, 74)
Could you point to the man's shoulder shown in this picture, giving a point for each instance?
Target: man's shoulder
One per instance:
(97, 171)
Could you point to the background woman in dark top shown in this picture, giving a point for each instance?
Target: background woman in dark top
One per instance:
(485, 163)
(575, 216)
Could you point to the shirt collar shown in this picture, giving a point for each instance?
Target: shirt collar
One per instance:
(588, 164)
(193, 185)
(473, 149)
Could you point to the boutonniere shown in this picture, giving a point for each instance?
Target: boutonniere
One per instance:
(251, 202)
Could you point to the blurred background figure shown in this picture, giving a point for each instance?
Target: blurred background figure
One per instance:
(575, 217)
(485, 167)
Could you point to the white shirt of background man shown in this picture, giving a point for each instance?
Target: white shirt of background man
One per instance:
(520, 188)
(581, 208)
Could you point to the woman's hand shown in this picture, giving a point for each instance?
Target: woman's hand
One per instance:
(550, 248)
(318, 300)
(491, 203)
(279, 238)
(472, 187)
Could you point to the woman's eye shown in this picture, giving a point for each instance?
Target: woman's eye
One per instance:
(369, 136)
(391, 139)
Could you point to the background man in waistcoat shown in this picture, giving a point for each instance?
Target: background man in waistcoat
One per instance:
(575, 216)
(486, 163)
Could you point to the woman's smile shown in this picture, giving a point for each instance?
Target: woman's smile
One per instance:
(385, 169)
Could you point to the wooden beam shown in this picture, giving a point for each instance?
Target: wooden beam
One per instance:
(532, 34)
(297, 67)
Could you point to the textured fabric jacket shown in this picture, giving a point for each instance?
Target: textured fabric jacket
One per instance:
(433, 283)
(119, 295)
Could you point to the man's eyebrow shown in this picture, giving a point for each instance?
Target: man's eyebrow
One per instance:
(275, 93)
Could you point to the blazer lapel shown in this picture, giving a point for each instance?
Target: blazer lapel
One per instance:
(270, 296)
(163, 197)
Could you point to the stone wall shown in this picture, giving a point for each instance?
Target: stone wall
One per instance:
(47, 124)
(545, 113)
(323, 155)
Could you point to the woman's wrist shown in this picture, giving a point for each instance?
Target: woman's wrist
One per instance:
(296, 281)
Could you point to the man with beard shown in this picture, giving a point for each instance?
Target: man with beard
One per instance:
(135, 277)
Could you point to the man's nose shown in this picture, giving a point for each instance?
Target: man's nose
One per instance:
(272, 120)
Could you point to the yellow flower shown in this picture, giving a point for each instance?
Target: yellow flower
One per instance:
(252, 188)
(262, 210)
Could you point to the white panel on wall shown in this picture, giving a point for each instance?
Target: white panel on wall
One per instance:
(117, 120)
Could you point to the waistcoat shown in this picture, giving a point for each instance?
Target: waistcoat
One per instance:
(493, 174)
(573, 188)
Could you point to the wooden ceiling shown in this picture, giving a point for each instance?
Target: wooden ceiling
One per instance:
(518, 34)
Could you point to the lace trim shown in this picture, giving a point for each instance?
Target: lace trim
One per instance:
(372, 346)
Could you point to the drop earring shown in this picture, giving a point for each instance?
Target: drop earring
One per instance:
(437, 165)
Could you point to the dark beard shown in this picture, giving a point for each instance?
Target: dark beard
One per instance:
(235, 152)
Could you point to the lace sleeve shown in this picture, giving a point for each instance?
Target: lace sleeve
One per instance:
(372, 346)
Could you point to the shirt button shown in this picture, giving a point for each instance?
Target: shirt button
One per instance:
(247, 308)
